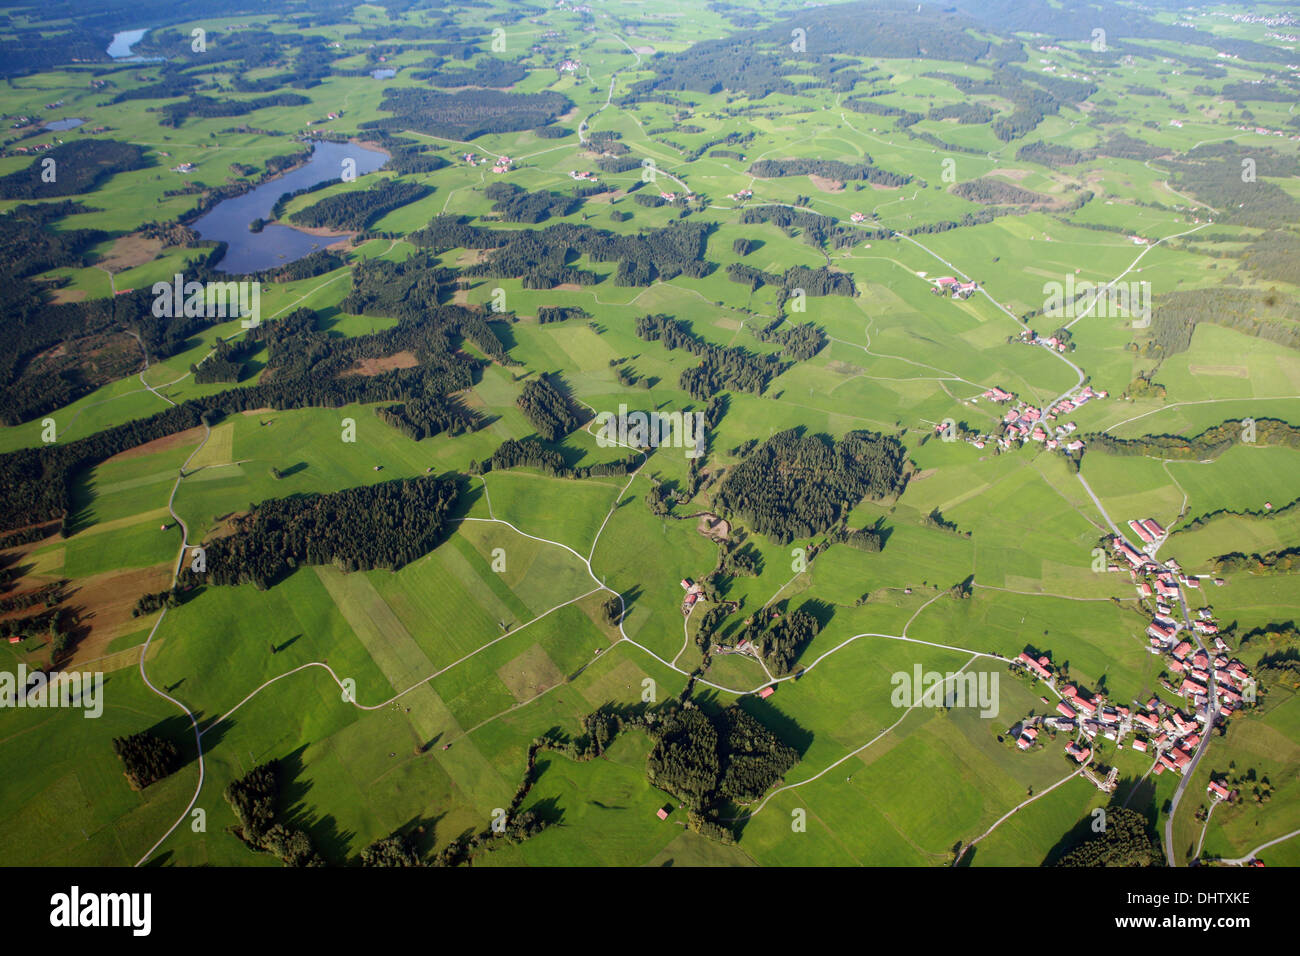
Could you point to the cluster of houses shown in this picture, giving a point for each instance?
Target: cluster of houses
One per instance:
(1023, 422)
(1072, 402)
(183, 168)
(1234, 686)
(1156, 727)
(744, 194)
(569, 66)
(950, 284)
(1030, 337)
(1155, 582)
(582, 174)
(1085, 716)
(1265, 131)
(501, 164)
(693, 592)
(38, 148)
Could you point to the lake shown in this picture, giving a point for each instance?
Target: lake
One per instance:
(383, 74)
(63, 124)
(276, 245)
(120, 47)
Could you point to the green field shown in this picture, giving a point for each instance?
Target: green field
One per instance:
(406, 700)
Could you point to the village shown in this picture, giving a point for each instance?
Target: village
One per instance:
(1213, 686)
(1023, 422)
(1155, 727)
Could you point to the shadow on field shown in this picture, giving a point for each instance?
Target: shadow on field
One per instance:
(333, 844)
(422, 832)
(277, 648)
(630, 597)
(178, 730)
(785, 727)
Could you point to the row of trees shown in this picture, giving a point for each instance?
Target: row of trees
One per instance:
(1208, 444)
(985, 190)
(156, 601)
(47, 595)
(556, 313)
(816, 282)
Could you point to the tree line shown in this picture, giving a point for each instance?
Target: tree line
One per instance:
(1210, 443)
(357, 209)
(722, 367)
(386, 525)
(467, 114)
(516, 204)
(309, 369)
(540, 257)
(254, 798)
(828, 168)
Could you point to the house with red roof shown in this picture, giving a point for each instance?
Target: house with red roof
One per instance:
(1042, 667)
(1148, 721)
(1141, 531)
